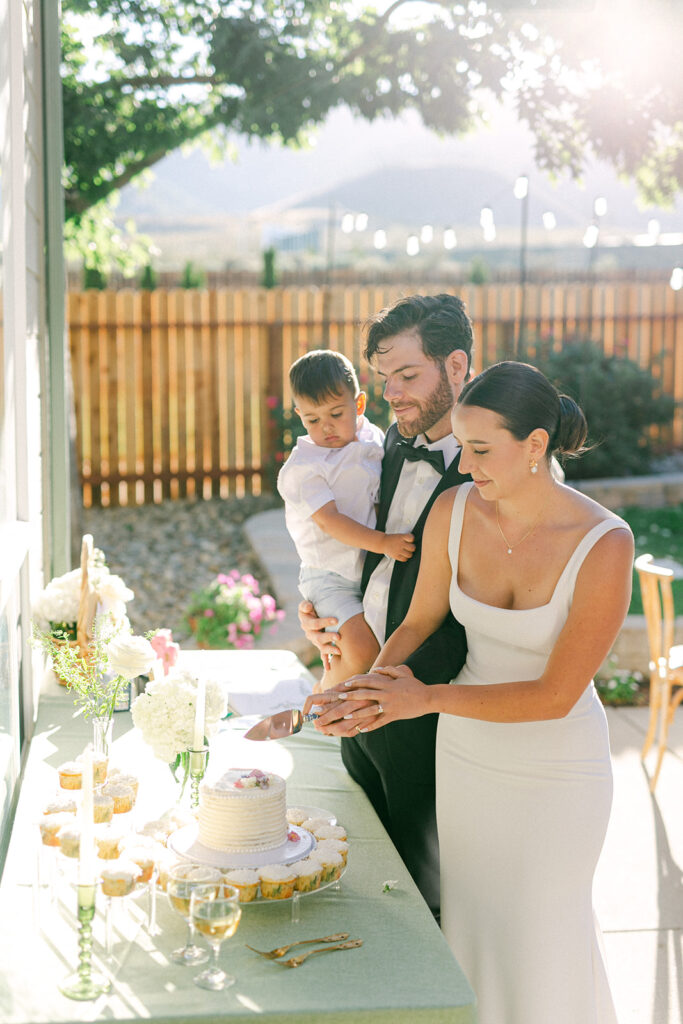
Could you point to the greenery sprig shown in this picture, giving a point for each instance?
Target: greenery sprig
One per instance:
(87, 676)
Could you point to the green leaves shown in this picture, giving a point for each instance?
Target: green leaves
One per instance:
(142, 77)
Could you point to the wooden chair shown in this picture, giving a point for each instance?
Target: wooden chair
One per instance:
(666, 660)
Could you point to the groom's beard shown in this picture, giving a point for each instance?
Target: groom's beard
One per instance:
(426, 413)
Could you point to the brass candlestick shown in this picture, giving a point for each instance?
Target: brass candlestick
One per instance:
(85, 983)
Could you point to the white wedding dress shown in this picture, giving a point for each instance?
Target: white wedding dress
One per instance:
(522, 811)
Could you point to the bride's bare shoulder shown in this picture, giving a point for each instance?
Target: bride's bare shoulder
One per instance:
(584, 512)
(443, 505)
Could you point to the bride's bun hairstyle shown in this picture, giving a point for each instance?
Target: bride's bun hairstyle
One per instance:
(525, 400)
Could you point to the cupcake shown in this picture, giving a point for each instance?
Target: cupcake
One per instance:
(164, 865)
(296, 815)
(144, 857)
(50, 824)
(122, 795)
(328, 831)
(158, 830)
(102, 807)
(65, 806)
(70, 840)
(70, 775)
(309, 872)
(332, 846)
(332, 864)
(122, 779)
(245, 880)
(314, 824)
(119, 879)
(277, 881)
(108, 843)
(99, 767)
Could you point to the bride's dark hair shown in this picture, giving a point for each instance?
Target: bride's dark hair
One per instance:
(525, 399)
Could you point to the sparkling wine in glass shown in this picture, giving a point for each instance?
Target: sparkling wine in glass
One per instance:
(215, 915)
(182, 880)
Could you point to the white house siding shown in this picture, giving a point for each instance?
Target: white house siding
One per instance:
(23, 351)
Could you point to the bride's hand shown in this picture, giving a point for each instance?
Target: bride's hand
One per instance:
(394, 693)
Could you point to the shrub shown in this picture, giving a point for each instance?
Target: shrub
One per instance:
(230, 612)
(192, 276)
(149, 279)
(621, 402)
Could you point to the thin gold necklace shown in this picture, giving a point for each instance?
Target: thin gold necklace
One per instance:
(508, 545)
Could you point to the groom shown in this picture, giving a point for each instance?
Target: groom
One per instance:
(421, 348)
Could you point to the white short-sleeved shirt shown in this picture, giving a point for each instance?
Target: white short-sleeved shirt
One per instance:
(313, 476)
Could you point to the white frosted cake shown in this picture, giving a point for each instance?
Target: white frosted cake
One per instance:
(243, 812)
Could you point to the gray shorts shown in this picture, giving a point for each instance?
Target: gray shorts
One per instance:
(331, 594)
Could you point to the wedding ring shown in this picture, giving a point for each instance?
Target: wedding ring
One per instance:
(357, 728)
(380, 709)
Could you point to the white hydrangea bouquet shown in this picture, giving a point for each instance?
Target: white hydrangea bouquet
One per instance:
(165, 715)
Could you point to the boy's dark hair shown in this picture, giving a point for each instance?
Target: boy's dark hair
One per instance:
(319, 374)
(441, 322)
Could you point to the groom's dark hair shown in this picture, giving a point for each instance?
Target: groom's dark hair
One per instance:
(440, 321)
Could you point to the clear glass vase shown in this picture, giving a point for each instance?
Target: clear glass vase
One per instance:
(102, 731)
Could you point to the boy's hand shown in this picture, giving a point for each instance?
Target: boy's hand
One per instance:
(399, 546)
(314, 628)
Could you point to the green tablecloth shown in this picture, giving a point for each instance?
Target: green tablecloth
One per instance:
(403, 972)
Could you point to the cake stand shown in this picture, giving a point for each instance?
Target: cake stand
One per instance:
(185, 843)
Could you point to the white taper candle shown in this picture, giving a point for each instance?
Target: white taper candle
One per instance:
(199, 715)
(86, 856)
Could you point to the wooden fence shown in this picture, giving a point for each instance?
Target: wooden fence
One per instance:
(174, 389)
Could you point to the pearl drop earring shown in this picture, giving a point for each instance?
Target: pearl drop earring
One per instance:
(534, 467)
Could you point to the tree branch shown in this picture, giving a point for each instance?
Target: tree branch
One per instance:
(79, 202)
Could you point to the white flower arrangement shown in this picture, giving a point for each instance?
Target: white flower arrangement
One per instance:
(56, 607)
(112, 657)
(165, 713)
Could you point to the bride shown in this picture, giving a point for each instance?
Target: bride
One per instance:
(540, 577)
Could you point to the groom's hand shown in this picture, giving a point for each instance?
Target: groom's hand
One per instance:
(314, 629)
(333, 713)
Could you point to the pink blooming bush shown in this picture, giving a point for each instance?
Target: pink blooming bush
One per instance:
(231, 612)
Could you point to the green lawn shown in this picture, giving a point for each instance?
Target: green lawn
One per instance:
(658, 532)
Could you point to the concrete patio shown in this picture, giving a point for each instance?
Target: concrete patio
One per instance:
(639, 882)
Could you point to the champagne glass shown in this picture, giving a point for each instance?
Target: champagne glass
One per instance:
(215, 914)
(182, 879)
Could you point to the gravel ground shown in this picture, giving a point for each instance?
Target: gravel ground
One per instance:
(165, 552)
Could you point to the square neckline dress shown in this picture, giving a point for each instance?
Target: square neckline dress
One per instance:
(522, 812)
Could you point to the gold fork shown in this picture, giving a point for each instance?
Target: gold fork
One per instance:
(296, 961)
(279, 951)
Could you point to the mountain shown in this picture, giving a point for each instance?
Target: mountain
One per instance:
(396, 171)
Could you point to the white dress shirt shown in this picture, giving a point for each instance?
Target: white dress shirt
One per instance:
(313, 476)
(413, 490)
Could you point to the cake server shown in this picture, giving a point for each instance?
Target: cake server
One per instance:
(276, 727)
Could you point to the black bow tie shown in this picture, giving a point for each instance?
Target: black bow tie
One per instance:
(415, 453)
